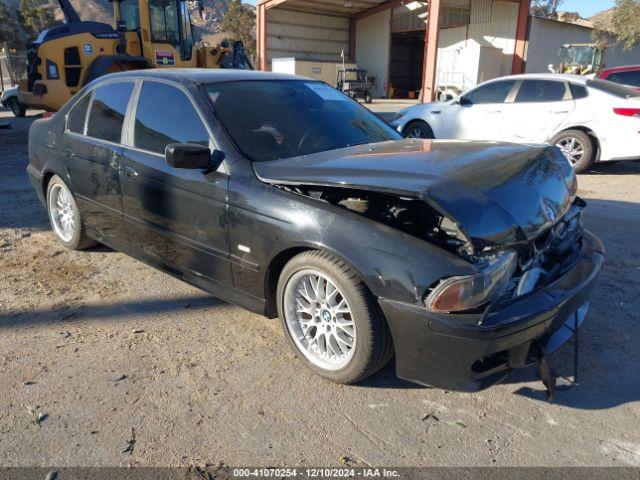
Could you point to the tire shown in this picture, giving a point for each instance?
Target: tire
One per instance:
(418, 129)
(577, 147)
(60, 202)
(17, 108)
(371, 341)
(368, 98)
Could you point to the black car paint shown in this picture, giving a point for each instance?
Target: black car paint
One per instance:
(190, 223)
(517, 202)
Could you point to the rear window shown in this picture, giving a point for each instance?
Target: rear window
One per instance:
(612, 88)
(534, 91)
(578, 91)
(108, 110)
(631, 77)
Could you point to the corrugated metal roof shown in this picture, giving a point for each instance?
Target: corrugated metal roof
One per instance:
(342, 8)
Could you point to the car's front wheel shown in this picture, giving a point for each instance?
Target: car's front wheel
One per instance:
(577, 147)
(65, 216)
(16, 107)
(332, 319)
(418, 129)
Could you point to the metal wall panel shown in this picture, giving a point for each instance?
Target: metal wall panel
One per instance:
(481, 11)
(546, 37)
(306, 36)
(372, 48)
(499, 33)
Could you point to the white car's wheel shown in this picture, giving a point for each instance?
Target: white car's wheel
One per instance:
(577, 147)
(418, 129)
(331, 318)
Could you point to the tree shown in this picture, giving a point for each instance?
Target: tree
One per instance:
(10, 31)
(545, 8)
(623, 23)
(240, 21)
(35, 16)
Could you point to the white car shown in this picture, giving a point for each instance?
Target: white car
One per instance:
(9, 99)
(590, 120)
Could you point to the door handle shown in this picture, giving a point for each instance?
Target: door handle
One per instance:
(129, 173)
(68, 153)
(560, 111)
(495, 111)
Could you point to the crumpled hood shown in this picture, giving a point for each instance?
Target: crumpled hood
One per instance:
(497, 193)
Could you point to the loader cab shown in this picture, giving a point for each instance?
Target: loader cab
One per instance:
(159, 30)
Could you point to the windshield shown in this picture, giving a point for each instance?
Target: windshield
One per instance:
(579, 56)
(270, 120)
(616, 89)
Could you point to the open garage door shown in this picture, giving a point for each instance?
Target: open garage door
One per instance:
(406, 64)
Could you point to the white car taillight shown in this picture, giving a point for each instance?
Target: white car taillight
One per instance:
(457, 294)
(627, 112)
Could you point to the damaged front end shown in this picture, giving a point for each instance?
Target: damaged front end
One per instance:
(515, 268)
(504, 272)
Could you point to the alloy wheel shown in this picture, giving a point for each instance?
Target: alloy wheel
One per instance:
(63, 216)
(320, 320)
(572, 149)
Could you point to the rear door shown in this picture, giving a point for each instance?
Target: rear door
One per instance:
(93, 151)
(479, 115)
(540, 109)
(177, 216)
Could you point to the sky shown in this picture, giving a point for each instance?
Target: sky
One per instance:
(585, 8)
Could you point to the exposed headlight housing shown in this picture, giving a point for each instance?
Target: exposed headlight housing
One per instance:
(458, 294)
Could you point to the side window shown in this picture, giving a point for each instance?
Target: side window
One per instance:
(75, 121)
(156, 128)
(495, 92)
(108, 110)
(578, 91)
(532, 91)
(626, 78)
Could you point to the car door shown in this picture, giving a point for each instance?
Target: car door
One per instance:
(539, 110)
(177, 216)
(92, 151)
(478, 114)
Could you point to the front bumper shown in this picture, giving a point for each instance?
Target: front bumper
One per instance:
(455, 352)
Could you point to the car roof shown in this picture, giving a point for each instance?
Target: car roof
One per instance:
(202, 75)
(626, 68)
(546, 76)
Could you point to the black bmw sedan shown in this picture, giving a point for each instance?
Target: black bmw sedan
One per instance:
(277, 193)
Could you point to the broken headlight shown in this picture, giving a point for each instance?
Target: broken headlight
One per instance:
(458, 294)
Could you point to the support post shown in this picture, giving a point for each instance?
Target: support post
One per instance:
(521, 37)
(353, 38)
(261, 27)
(431, 52)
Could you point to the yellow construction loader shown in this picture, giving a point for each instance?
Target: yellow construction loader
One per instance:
(580, 59)
(147, 34)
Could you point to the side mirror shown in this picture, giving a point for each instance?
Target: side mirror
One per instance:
(464, 101)
(190, 155)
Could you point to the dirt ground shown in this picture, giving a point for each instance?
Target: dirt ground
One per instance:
(98, 350)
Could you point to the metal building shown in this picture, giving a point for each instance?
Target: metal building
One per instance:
(409, 48)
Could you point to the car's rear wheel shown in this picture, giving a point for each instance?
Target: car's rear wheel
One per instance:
(65, 217)
(418, 129)
(332, 319)
(577, 147)
(16, 107)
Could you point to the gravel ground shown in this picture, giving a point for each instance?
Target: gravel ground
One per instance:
(103, 349)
